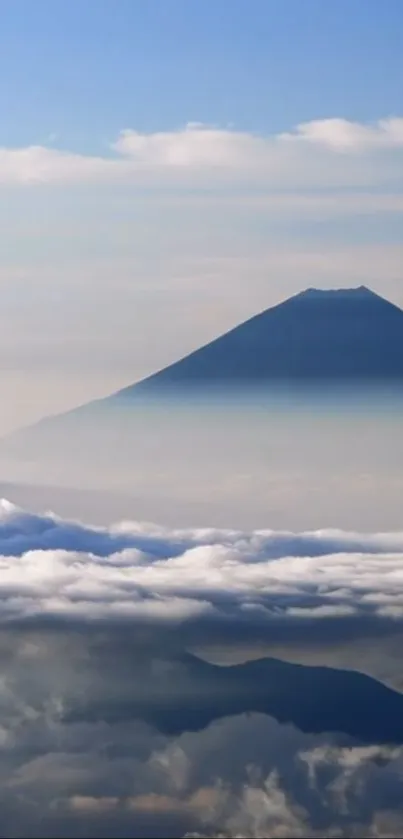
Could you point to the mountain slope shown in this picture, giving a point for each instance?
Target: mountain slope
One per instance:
(351, 334)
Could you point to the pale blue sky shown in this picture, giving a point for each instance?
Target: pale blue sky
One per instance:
(87, 68)
(127, 238)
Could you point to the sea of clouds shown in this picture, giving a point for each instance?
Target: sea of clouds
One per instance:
(100, 625)
(141, 572)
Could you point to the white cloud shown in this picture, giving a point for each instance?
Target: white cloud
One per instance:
(310, 154)
(341, 135)
(194, 146)
(131, 572)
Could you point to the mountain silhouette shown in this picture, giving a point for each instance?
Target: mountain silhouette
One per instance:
(315, 336)
(187, 694)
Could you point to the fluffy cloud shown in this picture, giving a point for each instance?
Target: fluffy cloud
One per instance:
(330, 151)
(316, 598)
(265, 578)
(341, 135)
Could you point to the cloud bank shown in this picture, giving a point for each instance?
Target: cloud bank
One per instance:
(329, 151)
(130, 571)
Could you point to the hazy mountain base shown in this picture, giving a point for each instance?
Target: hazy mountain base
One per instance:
(279, 460)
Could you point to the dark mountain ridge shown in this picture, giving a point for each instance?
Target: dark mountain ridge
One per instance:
(317, 335)
(317, 340)
(189, 694)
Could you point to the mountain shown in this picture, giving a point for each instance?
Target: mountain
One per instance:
(339, 335)
(187, 694)
(315, 338)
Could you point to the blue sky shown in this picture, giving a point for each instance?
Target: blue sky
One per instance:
(170, 167)
(84, 70)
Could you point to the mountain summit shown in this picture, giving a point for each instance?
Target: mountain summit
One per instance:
(315, 336)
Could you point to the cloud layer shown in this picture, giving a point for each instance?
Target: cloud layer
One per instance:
(316, 597)
(56, 568)
(83, 746)
(321, 151)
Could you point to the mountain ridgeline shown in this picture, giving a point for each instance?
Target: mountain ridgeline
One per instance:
(314, 699)
(316, 336)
